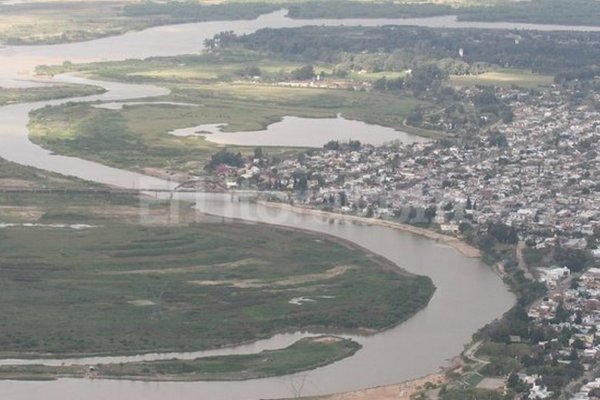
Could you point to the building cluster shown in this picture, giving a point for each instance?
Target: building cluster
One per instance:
(541, 178)
(538, 176)
(568, 319)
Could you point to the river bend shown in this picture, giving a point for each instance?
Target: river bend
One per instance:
(468, 294)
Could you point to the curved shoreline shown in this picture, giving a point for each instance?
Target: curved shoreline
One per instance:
(292, 334)
(447, 20)
(400, 391)
(461, 281)
(454, 242)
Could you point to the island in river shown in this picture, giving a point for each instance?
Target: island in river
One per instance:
(96, 284)
(402, 249)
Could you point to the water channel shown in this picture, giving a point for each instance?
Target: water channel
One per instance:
(468, 294)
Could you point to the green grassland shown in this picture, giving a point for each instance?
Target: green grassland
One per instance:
(49, 92)
(308, 353)
(136, 136)
(177, 283)
(226, 65)
(71, 21)
(305, 354)
(123, 288)
(57, 22)
(62, 199)
(15, 175)
(504, 78)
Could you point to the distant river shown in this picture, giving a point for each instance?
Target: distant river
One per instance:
(172, 40)
(468, 294)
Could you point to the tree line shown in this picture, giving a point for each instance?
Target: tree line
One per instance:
(397, 48)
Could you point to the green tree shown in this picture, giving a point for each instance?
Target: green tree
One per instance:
(513, 380)
(225, 157)
(303, 73)
(497, 139)
(354, 145)
(430, 213)
(343, 198)
(574, 259)
(332, 145)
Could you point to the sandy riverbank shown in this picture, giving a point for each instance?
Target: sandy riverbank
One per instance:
(465, 248)
(401, 391)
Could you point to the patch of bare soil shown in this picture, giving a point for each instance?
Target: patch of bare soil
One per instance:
(183, 270)
(295, 280)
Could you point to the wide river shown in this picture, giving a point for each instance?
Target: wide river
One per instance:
(468, 294)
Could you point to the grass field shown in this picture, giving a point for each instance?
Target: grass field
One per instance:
(504, 78)
(305, 354)
(56, 22)
(14, 175)
(26, 207)
(71, 21)
(120, 287)
(136, 137)
(24, 95)
(308, 353)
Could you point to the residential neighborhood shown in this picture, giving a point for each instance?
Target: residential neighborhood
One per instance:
(530, 183)
(537, 174)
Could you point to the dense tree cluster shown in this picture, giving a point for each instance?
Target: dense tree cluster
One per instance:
(303, 73)
(193, 11)
(573, 12)
(225, 157)
(399, 48)
(361, 9)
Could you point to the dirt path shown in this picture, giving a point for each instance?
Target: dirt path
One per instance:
(470, 353)
(521, 261)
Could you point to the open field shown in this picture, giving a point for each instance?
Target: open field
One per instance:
(504, 78)
(13, 175)
(305, 354)
(49, 92)
(50, 210)
(70, 21)
(573, 12)
(81, 275)
(27, 207)
(136, 137)
(63, 22)
(145, 288)
(308, 353)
